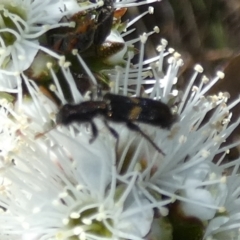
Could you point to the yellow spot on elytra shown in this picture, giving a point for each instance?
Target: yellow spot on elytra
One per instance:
(134, 113)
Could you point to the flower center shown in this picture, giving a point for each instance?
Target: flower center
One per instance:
(12, 20)
(90, 221)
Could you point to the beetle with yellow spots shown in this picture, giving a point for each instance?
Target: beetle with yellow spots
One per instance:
(120, 109)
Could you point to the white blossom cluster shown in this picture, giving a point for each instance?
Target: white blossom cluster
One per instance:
(57, 185)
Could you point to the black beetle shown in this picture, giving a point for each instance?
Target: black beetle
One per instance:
(122, 109)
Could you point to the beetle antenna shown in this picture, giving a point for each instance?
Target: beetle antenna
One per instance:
(151, 141)
(38, 135)
(136, 128)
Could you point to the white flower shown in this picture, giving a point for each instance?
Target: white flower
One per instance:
(187, 174)
(58, 185)
(23, 26)
(22, 23)
(145, 184)
(226, 224)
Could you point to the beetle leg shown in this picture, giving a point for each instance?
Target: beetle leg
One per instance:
(99, 92)
(94, 132)
(136, 128)
(114, 133)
